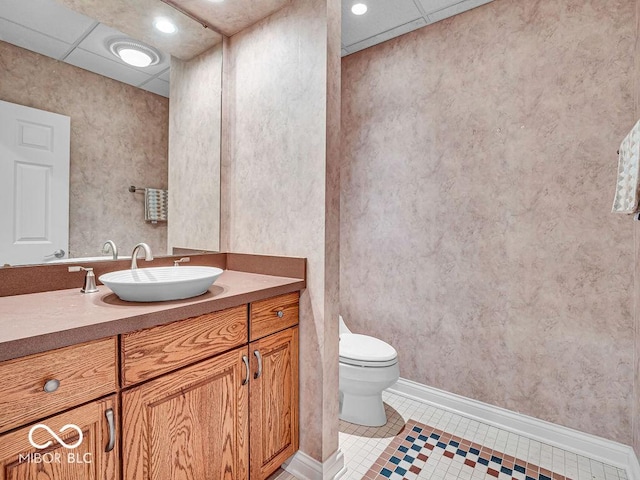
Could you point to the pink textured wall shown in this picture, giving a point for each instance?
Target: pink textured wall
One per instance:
(636, 231)
(194, 151)
(479, 166)
(280, 178)
(118, 138)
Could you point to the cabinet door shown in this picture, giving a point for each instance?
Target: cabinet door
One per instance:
(190, 424)
(273, 401)
(54, 449)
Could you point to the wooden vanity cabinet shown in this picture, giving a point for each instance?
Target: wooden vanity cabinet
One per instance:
(209, 397)
(95, 458)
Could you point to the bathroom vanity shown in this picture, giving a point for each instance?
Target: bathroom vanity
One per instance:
(205, 388)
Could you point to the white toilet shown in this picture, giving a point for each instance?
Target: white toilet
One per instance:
(367, 366)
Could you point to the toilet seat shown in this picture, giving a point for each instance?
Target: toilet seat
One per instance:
(366, 351)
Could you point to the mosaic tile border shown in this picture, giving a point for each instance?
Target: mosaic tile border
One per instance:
(409, 452)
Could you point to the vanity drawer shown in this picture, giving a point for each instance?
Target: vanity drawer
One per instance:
(157, 350)
(273, 314)
(84, 372)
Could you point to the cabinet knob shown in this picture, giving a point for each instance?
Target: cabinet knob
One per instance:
(51, 385)
(280, 313)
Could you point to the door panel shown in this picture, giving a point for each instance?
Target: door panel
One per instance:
(31, 187)
(190, 424)
(34, 184)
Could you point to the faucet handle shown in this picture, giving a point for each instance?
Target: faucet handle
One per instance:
(78, 268)
(182, 260)
(89, 279)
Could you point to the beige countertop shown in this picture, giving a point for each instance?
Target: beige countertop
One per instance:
(36, 322)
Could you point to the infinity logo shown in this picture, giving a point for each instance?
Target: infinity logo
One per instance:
(56, 437)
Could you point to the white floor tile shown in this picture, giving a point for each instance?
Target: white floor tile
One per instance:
(362, 446)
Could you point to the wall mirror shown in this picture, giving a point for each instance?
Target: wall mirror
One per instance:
(129, 126)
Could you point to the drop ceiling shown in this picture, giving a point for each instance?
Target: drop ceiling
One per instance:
(386, 19)
(51, 28)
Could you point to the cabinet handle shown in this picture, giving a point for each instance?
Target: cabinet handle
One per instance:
(246, 366)
(52, 385)
(259, 372)
(112, 430)
(280, 313)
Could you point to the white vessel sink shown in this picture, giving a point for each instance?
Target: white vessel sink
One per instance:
(159, 284)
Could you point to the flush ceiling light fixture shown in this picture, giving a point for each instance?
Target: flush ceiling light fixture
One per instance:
(164, 25)
(359, 9)
(133, 52)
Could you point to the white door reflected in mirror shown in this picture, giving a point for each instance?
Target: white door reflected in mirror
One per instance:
(34, 185)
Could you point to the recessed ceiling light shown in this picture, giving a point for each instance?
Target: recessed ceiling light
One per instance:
(216, 1)
(134, 53)
(359, 9)
(164, 25)
(134, 57)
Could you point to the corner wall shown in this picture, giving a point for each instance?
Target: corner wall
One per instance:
(280, 178)
(476, 234)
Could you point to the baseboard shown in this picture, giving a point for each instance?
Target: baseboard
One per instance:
(601, 449)
(304, 467)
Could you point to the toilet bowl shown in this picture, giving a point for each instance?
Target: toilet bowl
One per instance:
(367, 366)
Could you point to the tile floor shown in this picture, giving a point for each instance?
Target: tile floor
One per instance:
(465, 450)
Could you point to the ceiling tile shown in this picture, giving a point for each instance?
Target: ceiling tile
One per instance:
(37, 42)
(389, 34)
(157, 86)
(52, 19)
(381, 16)
(435, 5)
(166, 75)
(456, 9)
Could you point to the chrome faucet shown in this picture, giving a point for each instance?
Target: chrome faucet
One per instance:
(110, 246)
(148, 256)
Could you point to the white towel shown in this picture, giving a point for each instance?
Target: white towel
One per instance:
(155, 205)
(626, 198)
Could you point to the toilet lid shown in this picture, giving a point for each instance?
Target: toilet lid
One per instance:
(363, 348)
